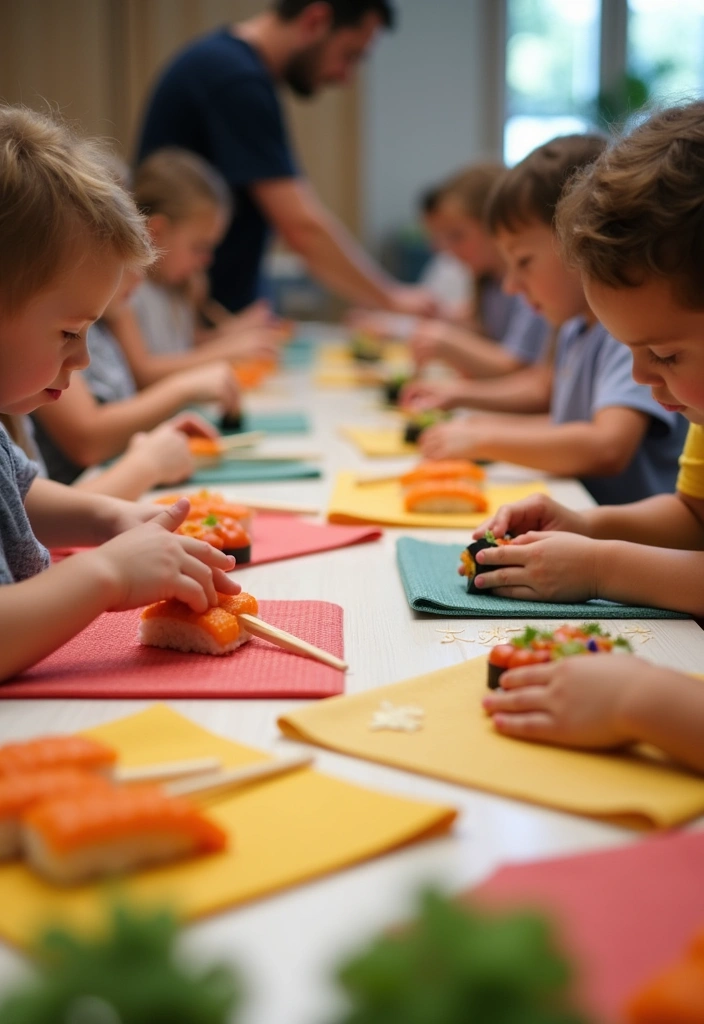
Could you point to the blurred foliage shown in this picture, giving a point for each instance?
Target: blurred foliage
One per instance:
(616, 108)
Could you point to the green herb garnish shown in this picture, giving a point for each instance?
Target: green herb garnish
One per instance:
(621, 641)
(489, 536)
(210, 521)
(592, 629)
(526, 638)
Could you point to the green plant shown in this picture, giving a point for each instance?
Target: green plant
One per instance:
(454, 965)
(132, 976)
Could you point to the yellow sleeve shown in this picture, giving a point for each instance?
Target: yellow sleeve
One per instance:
(691, 476)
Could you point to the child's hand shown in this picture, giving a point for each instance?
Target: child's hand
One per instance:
(431, 340)
(193, 425)
(542, 567)
(575, 702)
(538, 512)
(149, 563)
(421, 395)
(454, 440)
(166, 454)
(214, 382)
(257, 314)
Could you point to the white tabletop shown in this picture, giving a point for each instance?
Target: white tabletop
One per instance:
(287, 944)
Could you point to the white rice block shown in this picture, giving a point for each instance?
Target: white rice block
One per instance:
(442, 503)
(185, 636)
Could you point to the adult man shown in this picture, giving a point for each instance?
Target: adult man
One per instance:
(219, 98)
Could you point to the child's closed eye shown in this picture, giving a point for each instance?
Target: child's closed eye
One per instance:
(71, 336)
(662, 360)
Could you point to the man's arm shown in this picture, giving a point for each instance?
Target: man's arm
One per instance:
(334, 257)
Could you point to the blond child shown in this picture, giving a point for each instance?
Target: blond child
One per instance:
(187, 206)
(67, 233)
(103, 415)
(601, 426)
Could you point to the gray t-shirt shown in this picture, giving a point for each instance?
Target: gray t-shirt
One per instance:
(509, 320)
(166, 319)
(21, 554)
(593, 371)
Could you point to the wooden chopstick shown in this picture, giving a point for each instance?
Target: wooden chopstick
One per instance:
(367, 481)
(233, 777)
(288, 642)
(280, 506)
(242, 456)
(246, 440)
(166, 770)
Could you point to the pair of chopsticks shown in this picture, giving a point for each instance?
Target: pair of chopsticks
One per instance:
(203, 776)
(288, 642)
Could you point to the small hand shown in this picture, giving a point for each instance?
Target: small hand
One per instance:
(213, 382)
(412, 300)
(421, 395)
(452, 440)
(542, 567)
(576, 702)
(165, 450)
(538, 512)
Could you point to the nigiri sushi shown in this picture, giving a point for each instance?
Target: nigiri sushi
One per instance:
(205, 503)
(56, 752)
(174, 625)
(72, 839)
(444, 469)
(445, 496)
(205, 447)
(223, 532)
(19, 792)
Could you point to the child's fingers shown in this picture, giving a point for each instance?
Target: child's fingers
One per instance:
(172, 517)
(518, 593)
(530, 537)
(194, 425)
(523, 699)
(531, 725)
(190, 591)
(509, 576)
(528, 675)
(506, 554)
(207, 554)
(225, 584)
(202, 574)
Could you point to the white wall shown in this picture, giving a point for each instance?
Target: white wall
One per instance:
(432, 96)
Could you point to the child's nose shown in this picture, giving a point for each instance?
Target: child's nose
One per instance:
(643, 372)
(78, 357)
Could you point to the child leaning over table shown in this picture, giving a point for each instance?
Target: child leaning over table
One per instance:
(634, 227)
(602, 426)
(67, 233)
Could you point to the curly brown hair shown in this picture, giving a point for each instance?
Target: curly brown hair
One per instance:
(530, 191)
(639, 211)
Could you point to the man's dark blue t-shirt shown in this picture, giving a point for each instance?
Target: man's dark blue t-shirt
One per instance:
(218, 99)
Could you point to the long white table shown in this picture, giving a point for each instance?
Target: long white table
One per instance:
(287, 944)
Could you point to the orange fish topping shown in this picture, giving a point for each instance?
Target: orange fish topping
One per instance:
(220, 622)
(55, 752)
(446, 489)
(444, 469)
(19, 792)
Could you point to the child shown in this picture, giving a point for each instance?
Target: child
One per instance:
(187, 205)
(603, 427)
(445, 276)
(66, 234)
(98, 418)
(521, 334)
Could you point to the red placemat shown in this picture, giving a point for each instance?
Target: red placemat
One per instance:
(624, 914)
(276, 537)
(107, 660)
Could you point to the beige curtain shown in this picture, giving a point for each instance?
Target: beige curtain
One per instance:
(95, 61)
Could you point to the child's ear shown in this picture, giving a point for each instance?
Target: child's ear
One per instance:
(159, 227)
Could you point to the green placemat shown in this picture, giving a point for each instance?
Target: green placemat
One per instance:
(432, 585)
(243, 472)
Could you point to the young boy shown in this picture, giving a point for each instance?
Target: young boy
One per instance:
(602, 427)
(634, 227)
(67, 233)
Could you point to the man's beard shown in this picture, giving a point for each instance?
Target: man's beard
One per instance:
(301, 72)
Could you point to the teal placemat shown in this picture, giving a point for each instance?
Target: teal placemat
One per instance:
(248, 472)
(272, 422)
(299, 353)
(431, 582)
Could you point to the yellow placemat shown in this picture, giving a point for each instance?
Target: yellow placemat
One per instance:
(385, 442)
(335, 367)
(459, 744)
(383, 503)
(282, 832)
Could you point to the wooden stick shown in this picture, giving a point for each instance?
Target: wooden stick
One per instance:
(166, 770)
(281, 506)
(242, 456)
(246, 440)
(288, 642)
(367, 481)
(233, 777)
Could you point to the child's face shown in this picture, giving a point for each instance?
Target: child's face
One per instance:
(665, 337)
(187, 245)
(535, 270)
(465, 237)
(42, 344)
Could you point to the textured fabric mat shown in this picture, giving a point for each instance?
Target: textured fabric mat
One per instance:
(291, 422)
(383, 503)
(655, 905)
(234, 472)
(283, 832)
(430, 579)
(384, 442)
(107, 660)
(458, 743)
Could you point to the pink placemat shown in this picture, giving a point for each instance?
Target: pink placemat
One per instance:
(275, 537)
(624, 914)
(107, 660)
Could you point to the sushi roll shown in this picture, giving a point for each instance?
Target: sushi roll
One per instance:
(365, 349)
(393, 387)
(174, 625)
(445, 496)
(231, 423)
(20, 792)
(72, 839)
(444, 469)
(50, 752)
(535, 647)
(223, 532)
(420, 422)
(472, 568)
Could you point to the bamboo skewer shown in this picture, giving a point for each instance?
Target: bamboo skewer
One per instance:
(241, 456)
(166, 770)
(288, 642)
(233, 777)
(367, 481)
(246, 440)
(280, 506)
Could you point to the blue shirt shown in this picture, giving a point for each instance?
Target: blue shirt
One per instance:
(218, 99)
(509, 320)
(21, 554)
(593, 371)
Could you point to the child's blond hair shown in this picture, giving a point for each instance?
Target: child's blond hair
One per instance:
(175, 183)
(639, 211)
(56, 191)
